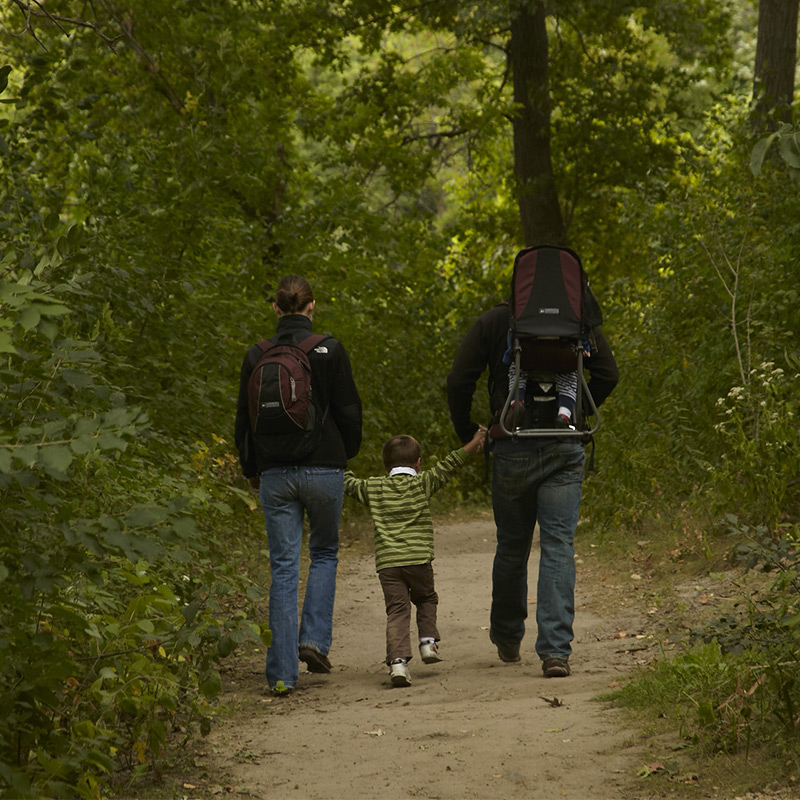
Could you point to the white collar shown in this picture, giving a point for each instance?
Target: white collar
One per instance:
(402, 471)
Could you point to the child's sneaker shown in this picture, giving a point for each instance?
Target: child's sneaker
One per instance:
(429, 653)
(399, 674)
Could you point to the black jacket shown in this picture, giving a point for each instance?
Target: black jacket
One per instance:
(333, 388)
(484, 345)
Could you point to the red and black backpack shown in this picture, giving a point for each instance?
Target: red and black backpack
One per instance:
(282, 412)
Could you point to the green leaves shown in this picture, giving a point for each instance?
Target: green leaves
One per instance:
(55, 460)
(788, 141)
(759, 152)
(23, 306)
(52, 446)
(790, 149)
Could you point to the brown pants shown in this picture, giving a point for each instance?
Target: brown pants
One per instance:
(403, 586)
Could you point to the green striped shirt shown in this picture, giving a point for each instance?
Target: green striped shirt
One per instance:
(401, 512)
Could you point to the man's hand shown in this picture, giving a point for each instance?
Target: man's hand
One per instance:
(255, 482)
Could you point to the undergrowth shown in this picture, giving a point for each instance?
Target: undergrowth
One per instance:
(731, 687)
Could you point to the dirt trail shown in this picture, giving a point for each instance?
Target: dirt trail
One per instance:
(469, 727)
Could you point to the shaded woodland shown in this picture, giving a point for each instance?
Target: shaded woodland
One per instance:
(161, 169)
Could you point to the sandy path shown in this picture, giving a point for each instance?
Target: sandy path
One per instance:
(469, 727)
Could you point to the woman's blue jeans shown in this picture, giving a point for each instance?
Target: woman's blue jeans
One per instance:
(535, 483)
(286, 493)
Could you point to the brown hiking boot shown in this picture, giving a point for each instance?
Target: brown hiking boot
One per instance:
(315, 661)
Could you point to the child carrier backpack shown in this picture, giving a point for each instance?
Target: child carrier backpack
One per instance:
(551, 313)
(282, 413)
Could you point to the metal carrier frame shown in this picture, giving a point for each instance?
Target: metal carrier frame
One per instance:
(550, 433)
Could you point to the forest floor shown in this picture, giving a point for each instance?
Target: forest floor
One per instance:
(470, 726)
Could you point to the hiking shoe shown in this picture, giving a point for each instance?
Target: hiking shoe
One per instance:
(315, 661)
(399, 674)
(555, 667)
(507, 652)
(429, 653)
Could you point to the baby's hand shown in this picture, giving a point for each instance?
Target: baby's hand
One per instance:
(475, 445)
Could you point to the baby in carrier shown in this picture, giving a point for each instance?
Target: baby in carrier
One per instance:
(566, 390)
(551, 315)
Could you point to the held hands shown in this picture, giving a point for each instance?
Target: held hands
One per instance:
(475, 445)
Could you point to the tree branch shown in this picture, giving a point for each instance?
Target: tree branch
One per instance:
(162, 84)
(35, 9)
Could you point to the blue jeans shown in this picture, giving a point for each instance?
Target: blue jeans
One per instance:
(285, 494)
(531, 483)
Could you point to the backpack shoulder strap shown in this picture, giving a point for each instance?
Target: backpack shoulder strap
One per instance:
(265, 345)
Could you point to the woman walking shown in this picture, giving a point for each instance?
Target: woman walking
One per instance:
(298, 480)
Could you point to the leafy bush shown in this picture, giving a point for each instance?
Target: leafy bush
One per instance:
(761, 458)
(115, 610)
(705, 342)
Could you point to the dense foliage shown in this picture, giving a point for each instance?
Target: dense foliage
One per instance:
(160, 172)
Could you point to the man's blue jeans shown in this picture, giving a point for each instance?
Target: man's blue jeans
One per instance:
(531, 483)
(285, 494)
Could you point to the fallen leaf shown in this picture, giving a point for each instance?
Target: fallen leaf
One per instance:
(555, 702)
(378, 732)
(650, 769)
(621, 635)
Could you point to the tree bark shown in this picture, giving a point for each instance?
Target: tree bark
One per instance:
(540, 212)
(776, 54)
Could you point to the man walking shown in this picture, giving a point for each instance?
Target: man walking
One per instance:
(533, 479)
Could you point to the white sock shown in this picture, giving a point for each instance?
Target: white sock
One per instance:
(427, 640)
(564, 412)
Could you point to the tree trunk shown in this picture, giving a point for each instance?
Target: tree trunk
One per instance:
(776, 53)
(540, 212)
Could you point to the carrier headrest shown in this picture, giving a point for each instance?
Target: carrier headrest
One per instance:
(547, 288)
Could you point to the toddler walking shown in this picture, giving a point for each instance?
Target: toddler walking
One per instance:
(399, 504)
